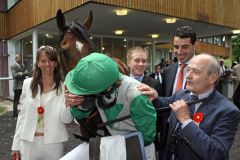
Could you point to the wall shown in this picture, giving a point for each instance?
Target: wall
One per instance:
(221, 12)
(28, 13)
(4, 70)
(3, 22)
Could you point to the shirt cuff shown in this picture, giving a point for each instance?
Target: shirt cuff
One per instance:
(184, 124)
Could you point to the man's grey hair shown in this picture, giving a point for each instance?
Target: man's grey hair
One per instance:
(214, 67)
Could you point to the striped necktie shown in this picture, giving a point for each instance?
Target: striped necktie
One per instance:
(190, 98)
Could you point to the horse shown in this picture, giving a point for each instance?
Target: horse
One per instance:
(74, 44)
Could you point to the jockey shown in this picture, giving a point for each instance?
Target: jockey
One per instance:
(97, 80)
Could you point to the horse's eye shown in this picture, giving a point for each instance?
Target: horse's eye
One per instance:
(63, 50)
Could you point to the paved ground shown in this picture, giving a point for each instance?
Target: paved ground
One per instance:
(7, 127)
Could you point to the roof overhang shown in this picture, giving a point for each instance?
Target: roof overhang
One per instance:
(136, 24)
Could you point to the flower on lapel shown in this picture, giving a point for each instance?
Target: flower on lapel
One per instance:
(198, 117)
(40, 110)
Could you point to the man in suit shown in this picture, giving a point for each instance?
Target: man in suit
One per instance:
(174, 76)
(157, 74)
(223, 76)
(236, 76)
(183, 46)
(18, 72)
(137, 58)
(210, 132)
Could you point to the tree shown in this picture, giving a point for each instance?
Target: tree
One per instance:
(236, 47)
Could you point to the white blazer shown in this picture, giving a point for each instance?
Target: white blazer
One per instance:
(55, 116)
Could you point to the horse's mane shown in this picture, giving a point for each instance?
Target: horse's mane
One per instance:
(123, 68)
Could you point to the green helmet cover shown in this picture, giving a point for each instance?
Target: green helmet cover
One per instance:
(92, 75)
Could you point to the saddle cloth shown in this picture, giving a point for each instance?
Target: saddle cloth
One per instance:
(117, 147)
(128, 147)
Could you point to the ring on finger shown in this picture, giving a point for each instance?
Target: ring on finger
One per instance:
(72, 100)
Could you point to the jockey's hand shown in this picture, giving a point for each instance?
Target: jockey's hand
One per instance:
(16, 155)
(147, 90)
(72, 99)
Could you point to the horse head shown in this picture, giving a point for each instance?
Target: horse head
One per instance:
(75, 42)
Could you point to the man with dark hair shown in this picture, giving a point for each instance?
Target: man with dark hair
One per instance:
(174, 76)
(175, 60)
(19, 72)
(157, 74)
(162, 63)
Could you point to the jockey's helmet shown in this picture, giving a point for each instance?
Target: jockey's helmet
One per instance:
(92, 75)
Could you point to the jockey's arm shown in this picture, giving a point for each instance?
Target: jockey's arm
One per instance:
(144, 116)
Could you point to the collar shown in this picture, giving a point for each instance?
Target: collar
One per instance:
(139, 78)
(204, 95)
(183, 63)
(19, 65)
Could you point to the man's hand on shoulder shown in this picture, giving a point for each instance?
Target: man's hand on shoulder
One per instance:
(147, 90)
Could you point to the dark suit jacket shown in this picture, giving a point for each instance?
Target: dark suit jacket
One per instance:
(18, 79)
(154, 84)
(168, 78)
(152, 75)
(215, 134)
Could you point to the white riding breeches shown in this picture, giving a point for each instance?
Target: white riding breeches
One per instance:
(37, 150)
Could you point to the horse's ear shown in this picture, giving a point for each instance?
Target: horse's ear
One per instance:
(60, 19)
(88, 21)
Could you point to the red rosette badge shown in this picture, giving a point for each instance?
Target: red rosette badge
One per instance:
(198, 117)
(40, 110)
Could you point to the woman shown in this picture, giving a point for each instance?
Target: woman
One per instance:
(40, 130)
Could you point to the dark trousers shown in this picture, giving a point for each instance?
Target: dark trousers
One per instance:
(219, 86)
(17, 94)
(162, 134)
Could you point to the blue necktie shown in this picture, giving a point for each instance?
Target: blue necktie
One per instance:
(190, 98)
(138, 79)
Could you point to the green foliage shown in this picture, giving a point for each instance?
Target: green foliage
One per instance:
(228, 62)
(1, 110)
(236, 47)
